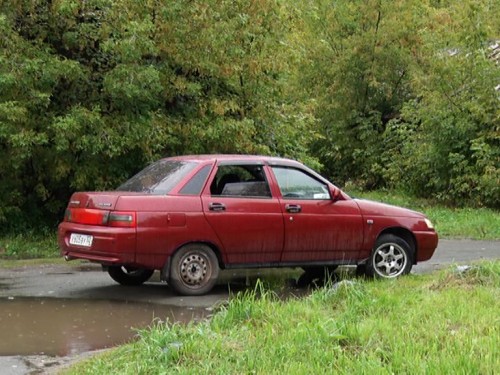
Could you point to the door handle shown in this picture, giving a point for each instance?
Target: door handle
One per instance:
(293, 208)
(217, 207)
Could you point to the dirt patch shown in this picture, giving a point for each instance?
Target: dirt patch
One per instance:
(43, 364)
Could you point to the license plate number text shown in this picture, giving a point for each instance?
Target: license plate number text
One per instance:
(80, 239)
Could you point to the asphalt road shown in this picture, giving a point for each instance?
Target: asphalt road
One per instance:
(76, 280)
(460, 252)
(87, 281)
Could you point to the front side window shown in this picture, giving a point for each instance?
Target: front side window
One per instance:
(240, 181)
(158, 178)
(297, 184)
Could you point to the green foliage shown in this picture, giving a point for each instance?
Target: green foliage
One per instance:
(90, 92)
(381, 93)
(407, 96)
(360, 58)
(29, 245)
(451, 144)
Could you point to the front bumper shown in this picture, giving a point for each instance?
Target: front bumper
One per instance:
(427, 242)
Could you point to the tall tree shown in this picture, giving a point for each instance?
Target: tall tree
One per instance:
(406, 95)
(92, 91)
(451, 145)
(359, 56)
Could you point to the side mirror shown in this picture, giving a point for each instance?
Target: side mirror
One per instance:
(334, 193)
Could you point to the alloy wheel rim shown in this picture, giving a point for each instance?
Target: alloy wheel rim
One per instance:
(390, 260)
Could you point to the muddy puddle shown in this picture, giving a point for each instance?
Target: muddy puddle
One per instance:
(60, 327)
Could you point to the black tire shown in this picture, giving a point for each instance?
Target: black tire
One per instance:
(391, 257)
(194, 270)
(316, 275)
(129, 276)
(320, 270)
(361, 270)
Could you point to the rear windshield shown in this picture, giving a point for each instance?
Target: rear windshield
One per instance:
(158, 178)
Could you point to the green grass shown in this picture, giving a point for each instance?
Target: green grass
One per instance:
(473, 223)
(444, 323)
(29, 245)
(17, 263)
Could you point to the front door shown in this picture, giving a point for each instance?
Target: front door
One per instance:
(316, 227)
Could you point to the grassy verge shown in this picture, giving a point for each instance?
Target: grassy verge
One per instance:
(17, 263)
(439, 324)
(473, 223)
(29, 245)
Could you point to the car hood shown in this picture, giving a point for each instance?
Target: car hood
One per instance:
(372, 208)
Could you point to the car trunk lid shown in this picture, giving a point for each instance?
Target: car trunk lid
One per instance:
(98, 209)
(94, 200)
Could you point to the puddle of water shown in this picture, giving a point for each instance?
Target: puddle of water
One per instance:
(60, 327)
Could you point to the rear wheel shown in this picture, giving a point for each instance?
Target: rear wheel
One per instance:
(391, 257)
(194, 270)
(129, 275)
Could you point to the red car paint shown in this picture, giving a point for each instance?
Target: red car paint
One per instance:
(262, 228)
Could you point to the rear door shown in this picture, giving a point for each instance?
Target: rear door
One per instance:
(247, 219)
(316, 228)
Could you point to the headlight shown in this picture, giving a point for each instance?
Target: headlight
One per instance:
(429, 224)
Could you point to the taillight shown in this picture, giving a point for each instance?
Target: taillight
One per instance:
(100, 217)
(86, 216)
(121, 219)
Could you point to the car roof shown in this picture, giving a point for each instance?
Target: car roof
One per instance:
(236, 157)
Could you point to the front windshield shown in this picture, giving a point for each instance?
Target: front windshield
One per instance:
(159, 178)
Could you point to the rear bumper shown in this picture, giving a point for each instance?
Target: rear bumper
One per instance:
(426, 245)
(110, 245)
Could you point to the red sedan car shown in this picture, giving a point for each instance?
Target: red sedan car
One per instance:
(191, 216)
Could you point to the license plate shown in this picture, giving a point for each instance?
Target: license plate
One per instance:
(80, 239)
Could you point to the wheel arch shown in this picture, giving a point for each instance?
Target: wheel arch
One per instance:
(406, 235)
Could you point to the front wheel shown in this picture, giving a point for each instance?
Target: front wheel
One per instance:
(391, 257)
(194, 270)
(129, 276)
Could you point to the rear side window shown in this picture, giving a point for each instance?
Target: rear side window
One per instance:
(159, 178)
(195, 184)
